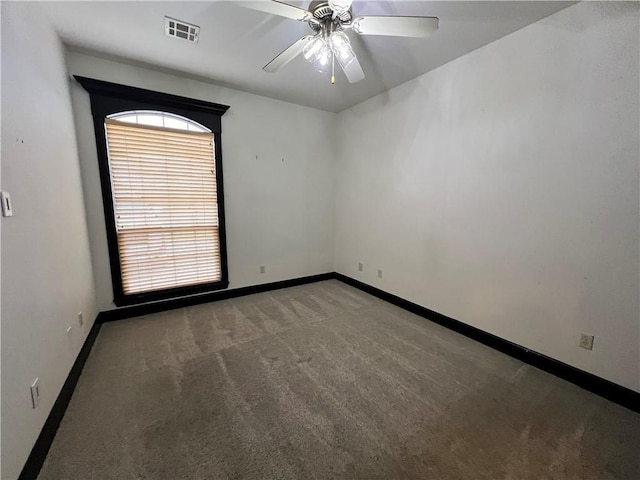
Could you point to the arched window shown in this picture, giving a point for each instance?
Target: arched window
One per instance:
(162, 188)
(153, 118)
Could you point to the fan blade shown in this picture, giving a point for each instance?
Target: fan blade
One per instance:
(396, 26)
(285, 57)
(278, 8)
(353, 71)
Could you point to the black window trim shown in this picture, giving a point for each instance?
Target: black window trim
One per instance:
(108, 98)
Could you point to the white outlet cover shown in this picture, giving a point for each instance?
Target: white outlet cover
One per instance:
(7, 207)
(586, 341)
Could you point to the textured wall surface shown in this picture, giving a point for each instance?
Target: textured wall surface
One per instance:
(46, 267)
(502, 189)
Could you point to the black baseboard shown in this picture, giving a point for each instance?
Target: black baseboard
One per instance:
(164, 305)
(40, 449)
(609, 390)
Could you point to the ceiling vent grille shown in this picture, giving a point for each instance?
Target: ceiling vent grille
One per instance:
(179, 29)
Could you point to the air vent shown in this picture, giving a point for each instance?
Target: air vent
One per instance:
(179, 29)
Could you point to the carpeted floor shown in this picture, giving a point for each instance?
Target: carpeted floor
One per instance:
(325, 382)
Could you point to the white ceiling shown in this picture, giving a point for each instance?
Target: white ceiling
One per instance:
(235, 42)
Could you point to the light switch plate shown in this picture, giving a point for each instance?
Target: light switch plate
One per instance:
(7, 208)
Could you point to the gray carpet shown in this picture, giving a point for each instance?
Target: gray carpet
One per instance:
(321, 382)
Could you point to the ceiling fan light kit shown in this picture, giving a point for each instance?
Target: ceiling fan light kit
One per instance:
(329, 20)
(323, 48)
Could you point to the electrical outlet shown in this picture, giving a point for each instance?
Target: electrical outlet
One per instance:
(586, 341)
(359, 267)
(262, 269)
(35, 394)
(7, 206)
(379, 273)
(80, 319)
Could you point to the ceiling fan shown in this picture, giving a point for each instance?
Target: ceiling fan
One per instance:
(328, 42)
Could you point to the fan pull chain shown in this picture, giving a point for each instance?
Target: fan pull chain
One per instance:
(333, 69)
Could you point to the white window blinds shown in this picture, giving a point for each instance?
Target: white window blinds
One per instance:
(165, 205)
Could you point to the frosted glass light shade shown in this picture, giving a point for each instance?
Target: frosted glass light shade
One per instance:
(341, 47)
(312, 48)
(322, 62)
(340, 6)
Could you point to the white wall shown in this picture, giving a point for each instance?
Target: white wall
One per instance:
(502, 189)
(278, 214)
(46, 268)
